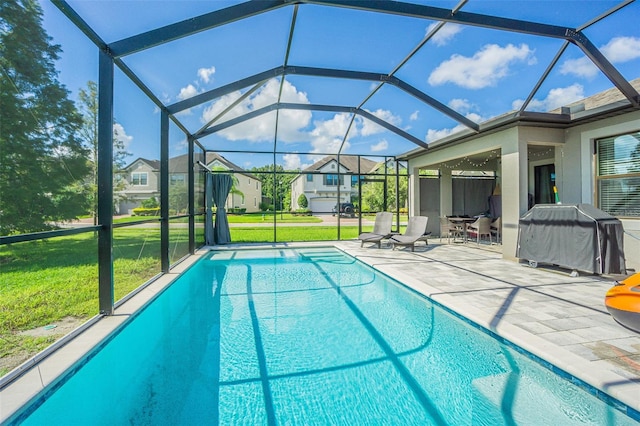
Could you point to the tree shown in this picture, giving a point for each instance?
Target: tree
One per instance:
(275, 186)
(42, 160)
(374, 196)
(88, 105)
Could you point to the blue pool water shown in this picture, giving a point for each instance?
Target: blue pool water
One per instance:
(304, 337)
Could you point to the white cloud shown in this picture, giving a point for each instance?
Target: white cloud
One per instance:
(434, 134)
(380, 146)
(461, 105)
(206, 73)
(294, 162)
(622, 49)
(617, 50)
(262, 128)
(370, 128)
(414, 116)
(555, 98)
(485, 68)
(187, 92)
(581, 67)
(327, 135)
(121, 134)
(446, 33)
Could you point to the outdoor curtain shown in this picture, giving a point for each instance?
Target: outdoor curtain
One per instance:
(217, 190)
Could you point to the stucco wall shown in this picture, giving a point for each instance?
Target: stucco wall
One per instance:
(574, 164)
(579, 172)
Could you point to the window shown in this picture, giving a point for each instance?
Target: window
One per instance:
(176, 179)
(354, 180)
(332, 180)
(309, 178)
(139, 179)
(618, 175)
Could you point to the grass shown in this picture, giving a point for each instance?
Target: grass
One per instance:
(267, 217)
(45, 281)
(292, 233)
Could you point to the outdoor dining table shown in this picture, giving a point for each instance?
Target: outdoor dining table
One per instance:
(462, 222)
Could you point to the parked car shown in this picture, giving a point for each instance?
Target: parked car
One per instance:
(346, 209)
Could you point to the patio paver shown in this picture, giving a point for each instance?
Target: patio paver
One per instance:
(561, 319)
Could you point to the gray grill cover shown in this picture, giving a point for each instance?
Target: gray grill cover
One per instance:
(574, 236)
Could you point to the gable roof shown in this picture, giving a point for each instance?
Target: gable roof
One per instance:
(349, 162)
(179, 164)
(154, 164)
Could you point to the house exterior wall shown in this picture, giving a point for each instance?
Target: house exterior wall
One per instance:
(135, 194)
(579, 171)
(251, 197)
(321, 197)
(573, 158)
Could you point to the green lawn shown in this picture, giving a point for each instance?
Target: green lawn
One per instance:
(267, 217)
(45, 281)
(292, 233)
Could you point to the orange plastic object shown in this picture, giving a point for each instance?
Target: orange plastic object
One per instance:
(623, 302)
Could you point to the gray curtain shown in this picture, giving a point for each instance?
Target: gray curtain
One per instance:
(208, 202)
(221, 185)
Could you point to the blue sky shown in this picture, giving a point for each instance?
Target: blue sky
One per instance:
(480, 73)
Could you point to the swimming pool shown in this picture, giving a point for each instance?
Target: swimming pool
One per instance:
(306, 336)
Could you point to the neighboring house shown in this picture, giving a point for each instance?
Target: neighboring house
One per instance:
(324, 180)
(589, 151)
(248, 186)
(142, 178)
(142, 182)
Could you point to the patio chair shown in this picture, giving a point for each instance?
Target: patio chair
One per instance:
(381, 229)
(496, 228)
(416, 231)
(482, 226)
(449, 229)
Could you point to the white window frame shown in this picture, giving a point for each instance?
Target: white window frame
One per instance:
(140, 174)
(618, 168)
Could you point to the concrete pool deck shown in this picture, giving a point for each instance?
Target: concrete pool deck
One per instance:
(559, 318)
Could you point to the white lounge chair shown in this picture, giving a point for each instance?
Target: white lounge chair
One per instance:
(381, 229)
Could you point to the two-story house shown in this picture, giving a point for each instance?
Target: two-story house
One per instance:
(142, 181)
(247, 193)
(326, 180)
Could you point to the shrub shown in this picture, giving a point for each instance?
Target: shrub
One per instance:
(142, 211)
(266, 207)
(150, 203)
(302, 212)
(303, 202)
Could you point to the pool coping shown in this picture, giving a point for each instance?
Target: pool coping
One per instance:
(48, 371)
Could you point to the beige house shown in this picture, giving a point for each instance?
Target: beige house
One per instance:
(249, 188)
(590, 151)
(142, 179)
